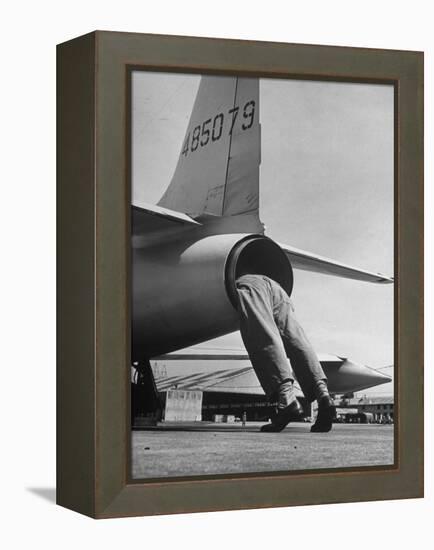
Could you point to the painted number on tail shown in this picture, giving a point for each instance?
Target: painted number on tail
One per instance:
(212, 129)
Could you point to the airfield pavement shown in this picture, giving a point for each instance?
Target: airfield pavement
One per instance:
(206, 448)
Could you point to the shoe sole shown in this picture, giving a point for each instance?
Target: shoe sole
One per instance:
(290, 414)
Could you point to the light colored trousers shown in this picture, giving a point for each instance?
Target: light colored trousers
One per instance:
(271, 334)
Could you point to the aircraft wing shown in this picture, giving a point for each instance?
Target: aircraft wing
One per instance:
(307, 261)
(241, 381)
(344, 375)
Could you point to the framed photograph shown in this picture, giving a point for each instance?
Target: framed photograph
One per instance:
(240, 274)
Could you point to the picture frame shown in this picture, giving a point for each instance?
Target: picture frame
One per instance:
(93, 273)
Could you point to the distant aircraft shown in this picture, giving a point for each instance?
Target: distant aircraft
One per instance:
(188, 250)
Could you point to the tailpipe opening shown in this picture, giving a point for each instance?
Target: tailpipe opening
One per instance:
(260, 255)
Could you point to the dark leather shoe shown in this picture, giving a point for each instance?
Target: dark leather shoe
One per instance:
(283, 417)
(326, 415)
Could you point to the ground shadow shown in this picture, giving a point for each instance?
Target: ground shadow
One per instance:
(47, 493)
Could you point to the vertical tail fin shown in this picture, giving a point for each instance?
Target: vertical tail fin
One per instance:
(217, 172)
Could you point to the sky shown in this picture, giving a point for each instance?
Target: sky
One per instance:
(326, 186)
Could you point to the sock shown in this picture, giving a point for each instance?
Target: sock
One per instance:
(321, 389)
(286, 394)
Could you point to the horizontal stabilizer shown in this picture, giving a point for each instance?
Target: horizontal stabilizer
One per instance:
(301, 259)
(148, 218)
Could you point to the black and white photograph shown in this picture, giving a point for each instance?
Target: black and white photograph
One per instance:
(262, 275)
(218, 256)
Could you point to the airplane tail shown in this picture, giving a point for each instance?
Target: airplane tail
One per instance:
(217, 173)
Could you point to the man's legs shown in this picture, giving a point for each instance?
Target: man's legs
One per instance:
(265, 348)
(307, 368)
(298, 348)
(262, 339)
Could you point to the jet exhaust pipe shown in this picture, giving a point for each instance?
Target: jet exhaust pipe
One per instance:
(184, 293)
(260, 255)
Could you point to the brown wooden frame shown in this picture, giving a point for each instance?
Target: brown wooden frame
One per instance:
(93, 273)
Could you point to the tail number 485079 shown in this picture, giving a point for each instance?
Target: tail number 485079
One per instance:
(212, 129)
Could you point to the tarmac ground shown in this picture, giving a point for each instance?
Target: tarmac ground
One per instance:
(206, 448)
